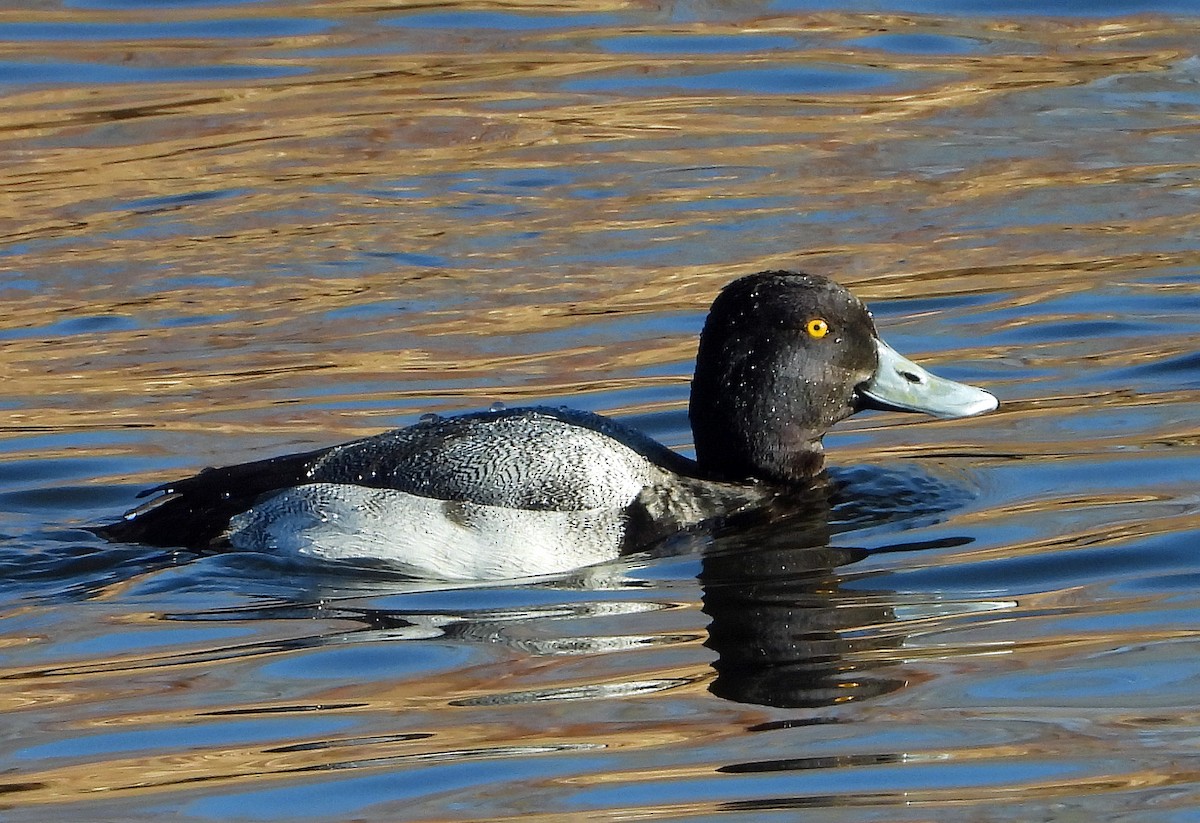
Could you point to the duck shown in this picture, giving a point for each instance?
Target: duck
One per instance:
(515, 492)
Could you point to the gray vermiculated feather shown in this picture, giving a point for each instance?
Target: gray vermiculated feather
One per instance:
(534, 459)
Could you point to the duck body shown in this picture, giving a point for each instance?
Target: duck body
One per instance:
(510, 493)
(518, 492)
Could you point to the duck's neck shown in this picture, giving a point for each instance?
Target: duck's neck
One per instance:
(734, 446)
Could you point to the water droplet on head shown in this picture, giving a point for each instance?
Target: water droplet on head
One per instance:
(497, 407)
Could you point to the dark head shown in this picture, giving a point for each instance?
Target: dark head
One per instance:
(783, 356)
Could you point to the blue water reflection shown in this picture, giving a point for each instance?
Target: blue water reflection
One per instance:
(771, 79)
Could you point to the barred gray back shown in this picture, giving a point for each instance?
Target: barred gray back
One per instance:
(536, 459)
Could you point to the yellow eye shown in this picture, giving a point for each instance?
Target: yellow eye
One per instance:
(817, 328)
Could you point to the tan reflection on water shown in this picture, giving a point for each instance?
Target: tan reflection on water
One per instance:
(82, 157)
(461, 733)
(80, 151)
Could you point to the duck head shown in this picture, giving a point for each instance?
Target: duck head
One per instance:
(783, 356)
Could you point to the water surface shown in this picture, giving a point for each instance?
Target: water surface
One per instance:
(232, 230)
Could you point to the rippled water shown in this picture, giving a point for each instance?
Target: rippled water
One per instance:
(235, 230)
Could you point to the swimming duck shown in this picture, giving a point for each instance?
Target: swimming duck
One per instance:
(507, 493)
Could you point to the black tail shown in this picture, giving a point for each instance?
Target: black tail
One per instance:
(194, 513)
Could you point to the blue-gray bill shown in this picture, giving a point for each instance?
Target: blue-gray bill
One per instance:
(901, 385)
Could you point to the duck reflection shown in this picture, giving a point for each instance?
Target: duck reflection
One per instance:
(782, 630)
(786, 632)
